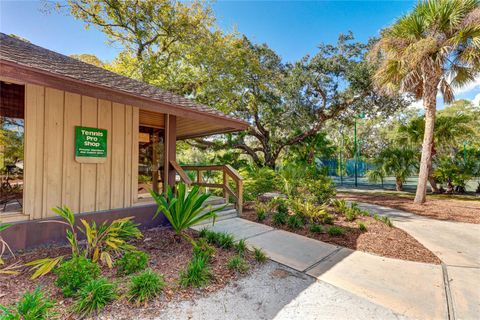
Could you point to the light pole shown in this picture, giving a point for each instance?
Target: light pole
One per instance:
(359, 116)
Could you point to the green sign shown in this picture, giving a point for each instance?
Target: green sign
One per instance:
(90, 142)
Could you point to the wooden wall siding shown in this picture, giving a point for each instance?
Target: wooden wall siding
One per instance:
(53, 177)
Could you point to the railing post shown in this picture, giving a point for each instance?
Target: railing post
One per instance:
(240, 197)
(225, 181)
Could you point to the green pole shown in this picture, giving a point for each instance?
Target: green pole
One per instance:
(341, 161)
(465, 151)
(355, 150)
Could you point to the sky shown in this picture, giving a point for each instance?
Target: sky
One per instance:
(292, 28)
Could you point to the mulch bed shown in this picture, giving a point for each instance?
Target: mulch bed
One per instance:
(379, 238)
(168, 256)
(440, 209)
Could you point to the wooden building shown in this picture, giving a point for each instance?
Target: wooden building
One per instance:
(89, 139)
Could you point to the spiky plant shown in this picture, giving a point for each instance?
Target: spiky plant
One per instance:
(436, 47)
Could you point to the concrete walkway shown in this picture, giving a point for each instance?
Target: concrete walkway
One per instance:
(457, 244)
(415, 290)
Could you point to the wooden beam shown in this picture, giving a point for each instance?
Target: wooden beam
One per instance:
(170, 151)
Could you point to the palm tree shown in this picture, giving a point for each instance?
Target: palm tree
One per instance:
(397, 162)
(435, 47)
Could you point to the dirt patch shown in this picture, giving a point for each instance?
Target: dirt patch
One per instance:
(379, 238)
(168, 256)
(440, 209)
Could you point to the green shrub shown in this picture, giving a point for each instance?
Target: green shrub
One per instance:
(282, 207)
(279, 218)
(32, 306)
(261, 216)
(145, 286)
(294, 222)
(308, 210)
(316, 228)
(203, 233)
(74, 273)
(259, 255)
(350, 214)
(94, 296)
(225, 240)
(336, 231)
(132, 262)
(259, 181)
(221, 239)
(383, 219)
(328, 218)
(241, 247)
(321, 187)
(183, 208)
(362, 227)
(196, 274)
(238, 264)
(203, 248)
(340, 205)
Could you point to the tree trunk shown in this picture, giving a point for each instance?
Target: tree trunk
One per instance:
(398, 184)
(433, 184)
(430, 105)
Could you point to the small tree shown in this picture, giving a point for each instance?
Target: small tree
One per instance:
(398, 162)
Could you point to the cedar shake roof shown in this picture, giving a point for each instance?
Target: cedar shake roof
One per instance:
(31, 56)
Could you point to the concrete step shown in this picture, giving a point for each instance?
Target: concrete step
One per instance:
(228, 206)
(215, 200)
(222, 215)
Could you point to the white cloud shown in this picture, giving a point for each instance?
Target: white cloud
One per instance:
(469, 87)
(476, 101)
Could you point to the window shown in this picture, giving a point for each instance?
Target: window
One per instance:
(12, 115)
(150, 165)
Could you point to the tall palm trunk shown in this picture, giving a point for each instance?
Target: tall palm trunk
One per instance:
(398, 184)
(430, 104)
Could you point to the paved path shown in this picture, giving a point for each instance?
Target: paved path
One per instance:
(457, 244)
(276, 292)
(415, 290)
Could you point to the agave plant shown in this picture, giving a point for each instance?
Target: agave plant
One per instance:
(184, 209)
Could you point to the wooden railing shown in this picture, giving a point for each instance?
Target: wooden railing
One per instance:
(183, 176)
(227, 173)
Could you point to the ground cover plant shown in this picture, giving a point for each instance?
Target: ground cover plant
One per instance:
(32, 306)
(345, 224)
(169, 259)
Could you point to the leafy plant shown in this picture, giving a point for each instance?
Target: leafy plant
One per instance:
(340, 205)
(238, 264)
(261, 215)
(316, 228)
(184, 209)
(196, 274)
(362, 226)
(145, 286)
(308, 210)
(101, 240)
(279, 218)
(259, 255)
(321, 187)
(282, 207)
(241, 247)
(383, 219)
(32, 306)
(350, 214)
(203, 248)
(3, 244)
(74, 273)
(94, 296)
(131, 262)
(328, 219)
(294, 222)
(225, 240)
(336, 231)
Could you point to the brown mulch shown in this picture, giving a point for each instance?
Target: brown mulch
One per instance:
(440, 209)
(168, 256)
(379, 238)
